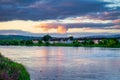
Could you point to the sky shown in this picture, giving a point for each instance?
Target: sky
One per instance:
(60, 16)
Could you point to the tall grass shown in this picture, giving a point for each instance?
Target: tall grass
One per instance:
(10, 70)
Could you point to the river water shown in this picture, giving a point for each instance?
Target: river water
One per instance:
(67, 63)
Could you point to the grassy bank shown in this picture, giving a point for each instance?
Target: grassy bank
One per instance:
(77, 45)
(10, 70)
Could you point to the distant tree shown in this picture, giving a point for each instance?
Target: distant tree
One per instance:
(22, 42)
(76, 43)
(46, 37)
(117, 41)
(29, 42)
(88, 42)
(112, 42)
(47, 43)
(71, 38)
(1, 42)
(103, 42)
(109, 42)
(40, 42)
(14, 42)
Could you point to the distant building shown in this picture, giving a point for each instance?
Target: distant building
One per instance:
(68, 41)
(96, 41)
(81, 41)
(60, 40)
(35, 41)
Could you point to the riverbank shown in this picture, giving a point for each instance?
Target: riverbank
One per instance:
(10, 70)
(69, 45)
(83, 45)
(73, 45)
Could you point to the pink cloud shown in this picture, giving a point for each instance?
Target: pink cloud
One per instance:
(48, 26)
(116, 21)
(61, 29)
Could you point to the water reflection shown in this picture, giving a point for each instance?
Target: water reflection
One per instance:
(67, 63)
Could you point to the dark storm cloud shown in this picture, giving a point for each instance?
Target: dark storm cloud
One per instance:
(90, 25)
(48, 9)
(17, 1)
(110, 15)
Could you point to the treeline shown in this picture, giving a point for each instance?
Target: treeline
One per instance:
(103, 42)
(23, 43)
(47, 40)
(16, 42)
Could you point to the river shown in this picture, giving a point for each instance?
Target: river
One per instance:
(67, 63)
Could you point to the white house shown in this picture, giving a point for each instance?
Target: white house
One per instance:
(96, 41)
(81, 41)
(35, 41)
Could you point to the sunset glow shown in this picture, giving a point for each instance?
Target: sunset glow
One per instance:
(68, 17)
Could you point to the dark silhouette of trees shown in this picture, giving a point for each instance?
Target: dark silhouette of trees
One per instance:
(71, 38)
(46, 38)
(88, 42)
(109, 42)
(29, 42)
(40, 42)
(76, 43)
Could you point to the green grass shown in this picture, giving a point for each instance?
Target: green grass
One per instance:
(98, 45)
(61, 44)
(10, 70)
(73, 45)
(82, 45)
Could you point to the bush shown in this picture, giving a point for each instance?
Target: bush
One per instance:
(76, 43)
(47, 43)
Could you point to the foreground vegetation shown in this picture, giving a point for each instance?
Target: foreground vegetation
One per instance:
(10, 70)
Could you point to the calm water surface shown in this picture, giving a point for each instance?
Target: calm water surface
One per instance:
(67, 63)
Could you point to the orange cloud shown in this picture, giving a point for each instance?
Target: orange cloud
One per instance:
(61, 29)
(48, 26)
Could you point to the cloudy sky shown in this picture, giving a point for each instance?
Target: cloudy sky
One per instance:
(60, 16)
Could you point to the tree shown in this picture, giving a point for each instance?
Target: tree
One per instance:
(47, 43)
(29, 42)
(22, 42)
(14, 42)
(76, 43)
(40, 42)
(112, 42)
(71, 38)
(46, 37)
(109, 42)
(103, 42)
(88, 42)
